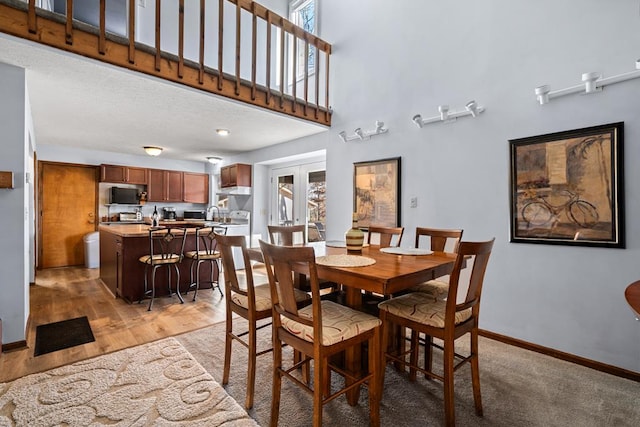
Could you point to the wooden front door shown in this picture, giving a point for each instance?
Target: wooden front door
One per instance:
(68, 204)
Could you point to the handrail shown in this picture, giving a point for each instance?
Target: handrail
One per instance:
(269, 34)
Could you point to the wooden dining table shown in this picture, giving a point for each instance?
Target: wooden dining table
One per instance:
(632, 295)
(390, 274)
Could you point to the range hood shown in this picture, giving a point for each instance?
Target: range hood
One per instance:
(235, 191)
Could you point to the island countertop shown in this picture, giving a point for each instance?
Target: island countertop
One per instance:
(142, 230)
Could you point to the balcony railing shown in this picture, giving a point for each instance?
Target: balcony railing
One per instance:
(234, 48)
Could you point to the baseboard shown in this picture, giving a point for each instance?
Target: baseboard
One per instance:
(598, 366)
(18, 345)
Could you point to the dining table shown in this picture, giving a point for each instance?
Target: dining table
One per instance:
(386, 274)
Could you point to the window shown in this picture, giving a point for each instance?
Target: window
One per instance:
(303, 14)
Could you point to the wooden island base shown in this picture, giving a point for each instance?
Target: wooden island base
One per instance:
(121, 246)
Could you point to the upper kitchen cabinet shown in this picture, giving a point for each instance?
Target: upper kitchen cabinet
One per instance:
(195, 187)
(236, 175)
(164, 185)
(123, 174)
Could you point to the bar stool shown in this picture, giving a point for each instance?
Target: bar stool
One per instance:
(166, 249)
(206, 251)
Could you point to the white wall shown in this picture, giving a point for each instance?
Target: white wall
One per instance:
(390, 62)
(14, 205)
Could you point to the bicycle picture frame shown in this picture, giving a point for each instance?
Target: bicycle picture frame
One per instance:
(376, 192)
(566, 188)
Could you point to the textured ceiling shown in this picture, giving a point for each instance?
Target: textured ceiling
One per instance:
(79, 102)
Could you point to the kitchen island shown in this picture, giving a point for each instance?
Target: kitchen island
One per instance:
(121, 246)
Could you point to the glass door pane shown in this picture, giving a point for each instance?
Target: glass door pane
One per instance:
(286, 206)
(316, 205)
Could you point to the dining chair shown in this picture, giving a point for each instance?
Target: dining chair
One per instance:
(166, 249)
(446, 320)
(205, 252)
(287, 235)
(440, 240)
(248, 300)
(385, 236)
(318, 331)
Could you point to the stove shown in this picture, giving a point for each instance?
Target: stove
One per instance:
(239, 225)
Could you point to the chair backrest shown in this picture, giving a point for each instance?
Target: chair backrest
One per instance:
(167, 245)
(441, 239)
(226, 245)
(387, 236)
(279, 261)
(206, 242)
(287, 235)
(468, 252)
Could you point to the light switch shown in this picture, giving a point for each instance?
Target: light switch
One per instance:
(413, 202)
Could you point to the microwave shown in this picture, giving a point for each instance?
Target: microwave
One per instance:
(123, 195)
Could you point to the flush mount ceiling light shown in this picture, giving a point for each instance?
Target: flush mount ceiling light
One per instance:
(214, 159)
(153, 151)
(364, 135)
(471, 109)
(223, 132)
(592, 83)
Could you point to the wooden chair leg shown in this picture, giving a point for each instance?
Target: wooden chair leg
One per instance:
(475, 372)
(318, 385)
(375, 385)
(326, 378)
(413, 361)
(428, 352)
(384, 348)
(449, 404)
(277, 381)
(227, 348)
(251, 372)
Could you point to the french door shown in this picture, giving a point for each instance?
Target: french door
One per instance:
(298, 195)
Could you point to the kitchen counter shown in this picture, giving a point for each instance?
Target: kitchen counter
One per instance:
(122, 245)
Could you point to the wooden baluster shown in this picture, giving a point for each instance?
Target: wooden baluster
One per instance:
(102, 37)
(282, 36)
(327, 117)
(238, 13)
(202, 20)
(306, 74)
(254, 47)
(268, 77)
(220, 41)
(316, 67)
(132, 32)
(32, 17)
(294, 74)
(158, 50)
(68, 32)
(181, 39)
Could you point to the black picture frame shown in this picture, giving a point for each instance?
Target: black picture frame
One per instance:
(376, 192)
(567, 188)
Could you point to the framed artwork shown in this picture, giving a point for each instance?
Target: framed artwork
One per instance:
(567, 187)
(376, 192)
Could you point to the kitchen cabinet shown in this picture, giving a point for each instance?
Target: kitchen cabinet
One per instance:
(164, 185)
(195, 187)
(236, 175)
(123, 174)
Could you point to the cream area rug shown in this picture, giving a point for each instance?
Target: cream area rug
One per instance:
(157, 384)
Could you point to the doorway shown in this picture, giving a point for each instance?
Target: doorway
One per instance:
(67, 206)
(298, 196)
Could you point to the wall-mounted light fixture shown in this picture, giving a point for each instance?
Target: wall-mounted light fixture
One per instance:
(471, 109)
(214, 159)
(592, 82)
(364, 135)
(223, 132)
(153, 151)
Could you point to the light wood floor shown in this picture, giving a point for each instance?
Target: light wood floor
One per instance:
(69, 292)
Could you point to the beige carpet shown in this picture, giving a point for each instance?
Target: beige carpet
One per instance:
(519, 388)
(154, 384)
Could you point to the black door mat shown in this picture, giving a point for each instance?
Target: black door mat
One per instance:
(60, 335)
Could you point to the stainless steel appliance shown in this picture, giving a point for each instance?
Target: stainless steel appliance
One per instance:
(128, 217)
(195, 214)
(239, 225)
(169, 214)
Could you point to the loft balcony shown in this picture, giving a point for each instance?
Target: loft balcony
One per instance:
(234, 48)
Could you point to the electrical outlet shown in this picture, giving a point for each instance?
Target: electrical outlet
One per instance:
(413, 202)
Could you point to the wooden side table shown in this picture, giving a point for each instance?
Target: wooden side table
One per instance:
(632, 294)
